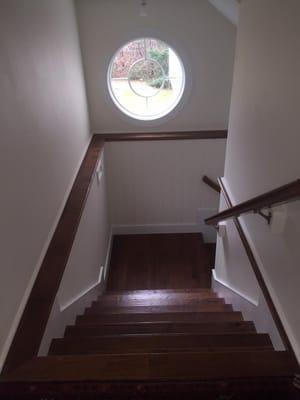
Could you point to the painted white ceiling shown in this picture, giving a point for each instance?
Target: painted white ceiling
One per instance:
(229, 8)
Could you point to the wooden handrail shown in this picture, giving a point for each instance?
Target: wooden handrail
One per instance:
(255, 267)
(212, 184)
(31, 328)
(282, 194)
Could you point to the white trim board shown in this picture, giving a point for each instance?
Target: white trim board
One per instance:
(38, 265)
(63, 307)
(65, 314)
(245, 297)
(154, 228)
(102, 276)
(108, 254)
(209, 234)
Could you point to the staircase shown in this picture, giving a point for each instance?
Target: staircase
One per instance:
(162, 343)
(184, 339)
(161, 321)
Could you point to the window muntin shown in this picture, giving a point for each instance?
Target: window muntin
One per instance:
(146, 79)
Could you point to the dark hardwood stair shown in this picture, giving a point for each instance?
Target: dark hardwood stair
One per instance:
(126, 342)
(156, 343)
(158, 298)
(214, 328)
(91, 319)
(188, 313)
(204, 307)
(157, 366)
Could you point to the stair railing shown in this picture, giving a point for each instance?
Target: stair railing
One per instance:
(283, 194)
(280, 195)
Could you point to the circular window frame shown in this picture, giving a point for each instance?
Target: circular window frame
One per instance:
(158, 116)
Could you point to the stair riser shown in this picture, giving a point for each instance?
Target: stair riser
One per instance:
(158, 300)
(156, 343)
(65, 350)
(156, 367)
(147, 292)
(158, 309)
(204, 328)
(162, 317)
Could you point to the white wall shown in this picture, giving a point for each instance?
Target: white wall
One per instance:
(263, 143)
(44, 134)
(83, 279)
(90, 245)
(201, 35)
(157, 187)
(232, 264)
(258, 311)
(229, 8)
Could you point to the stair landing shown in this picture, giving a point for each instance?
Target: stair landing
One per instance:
(155, 261)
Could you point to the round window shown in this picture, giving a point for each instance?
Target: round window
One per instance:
(146, 79)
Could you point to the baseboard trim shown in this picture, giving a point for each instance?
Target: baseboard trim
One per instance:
(102, 276)
(140, 229)
(108, 254)
(245, 297)
(68, 304)
(155, 228)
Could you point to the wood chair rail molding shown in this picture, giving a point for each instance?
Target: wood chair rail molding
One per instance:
(29, 333)
(255, 266)
(149, 136)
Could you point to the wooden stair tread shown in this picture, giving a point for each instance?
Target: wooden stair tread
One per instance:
(162, 327)
(156, 343)
(157, 300)
(160, 317)
(156, 367)
(205, 307)
(162, 295)
(146, 292)
(153, 301)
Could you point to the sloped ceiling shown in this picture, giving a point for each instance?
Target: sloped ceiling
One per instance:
(229, 8)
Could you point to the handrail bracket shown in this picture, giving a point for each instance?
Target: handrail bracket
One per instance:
(267, 216)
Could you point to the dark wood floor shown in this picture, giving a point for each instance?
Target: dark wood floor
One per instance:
(160, 261)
